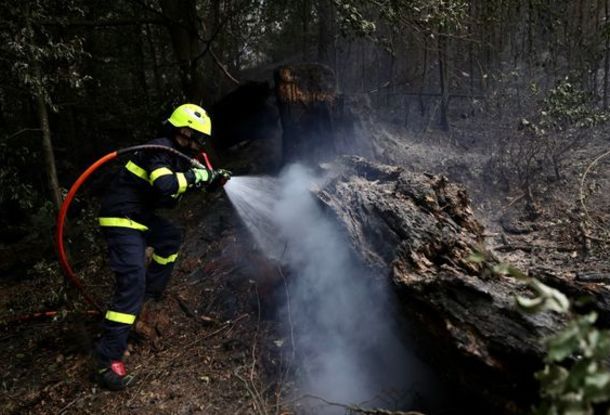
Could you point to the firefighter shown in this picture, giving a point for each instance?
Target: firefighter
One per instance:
(149, 180)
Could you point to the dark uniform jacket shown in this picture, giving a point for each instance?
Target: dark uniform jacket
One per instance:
(149, 180)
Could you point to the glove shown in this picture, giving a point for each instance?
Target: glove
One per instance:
(201, 176)
(218, 178)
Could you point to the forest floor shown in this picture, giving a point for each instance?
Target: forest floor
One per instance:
(219, 349)
(552, 231)
(214, 350)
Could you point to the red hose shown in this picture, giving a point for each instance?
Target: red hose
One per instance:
(203, 155)
(45, 314)
(61, 219)
(63, 211)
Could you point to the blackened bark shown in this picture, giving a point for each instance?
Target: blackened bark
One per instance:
(307, 97)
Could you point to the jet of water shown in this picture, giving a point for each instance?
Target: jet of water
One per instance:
(254, 198)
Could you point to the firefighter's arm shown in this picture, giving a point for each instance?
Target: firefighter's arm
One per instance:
(168, 182)
(164, 180)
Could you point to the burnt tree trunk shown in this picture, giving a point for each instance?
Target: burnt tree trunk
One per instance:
(306, 96)
(419, 230)
(183, 28)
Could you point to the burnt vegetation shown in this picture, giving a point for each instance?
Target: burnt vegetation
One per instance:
(467, 154)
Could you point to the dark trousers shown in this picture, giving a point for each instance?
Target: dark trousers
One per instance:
(134, 282)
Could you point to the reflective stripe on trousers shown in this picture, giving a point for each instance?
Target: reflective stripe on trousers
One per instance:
(164, 260)
(122, 223)
(119, 317)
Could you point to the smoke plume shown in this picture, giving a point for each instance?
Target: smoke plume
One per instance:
(349, 347)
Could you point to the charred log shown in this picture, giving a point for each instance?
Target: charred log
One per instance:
(419, 230)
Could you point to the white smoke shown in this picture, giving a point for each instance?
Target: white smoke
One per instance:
(346, 336)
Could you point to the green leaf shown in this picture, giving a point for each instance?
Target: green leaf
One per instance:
(530, 305)
(554, 299)
(547, 298)
(552, 380)
(603, 345)
(598, 380)
(563, 344)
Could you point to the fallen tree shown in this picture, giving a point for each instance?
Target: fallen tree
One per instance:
(419, 230)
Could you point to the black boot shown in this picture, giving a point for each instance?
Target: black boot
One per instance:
(112, 375)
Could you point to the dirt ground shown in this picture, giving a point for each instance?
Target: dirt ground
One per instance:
(217, 348)
(214, 349)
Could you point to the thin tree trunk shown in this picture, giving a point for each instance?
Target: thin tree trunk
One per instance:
(471, 34)
(607, 56)
(378, 81)
(47, 145)
(139, 69)
(43, 120)
(580, 42)
(391, 90)
(422, 106)
(596, 63)
(443, 81)
(362, 66)
(155, 60)
(530, 36)
(305, 23)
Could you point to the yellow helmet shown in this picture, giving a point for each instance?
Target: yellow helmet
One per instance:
(191, 116)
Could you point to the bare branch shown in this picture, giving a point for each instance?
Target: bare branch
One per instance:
(18, 133)
(582, 186)
(99, 23)
(223, 68)
(358, 409)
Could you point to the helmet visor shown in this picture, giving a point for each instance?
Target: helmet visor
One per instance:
(198, 136)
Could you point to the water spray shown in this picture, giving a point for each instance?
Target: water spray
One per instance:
(254, 198)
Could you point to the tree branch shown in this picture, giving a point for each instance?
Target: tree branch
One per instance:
(360, 410)
(18, 133)
(208, 42)
(223, 68)
(100, 23)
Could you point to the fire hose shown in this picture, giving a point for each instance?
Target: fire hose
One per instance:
(63, 211)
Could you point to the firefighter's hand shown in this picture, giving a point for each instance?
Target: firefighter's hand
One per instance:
(201, 176)
(218, 178)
